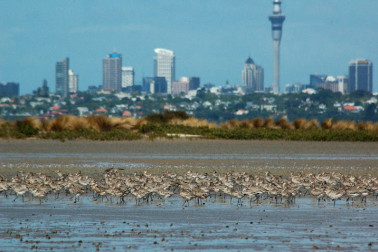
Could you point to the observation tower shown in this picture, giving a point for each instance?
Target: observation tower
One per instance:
(277, 19)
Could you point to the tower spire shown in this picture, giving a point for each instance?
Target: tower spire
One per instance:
(277, 19)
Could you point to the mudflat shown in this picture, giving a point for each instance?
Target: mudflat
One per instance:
(88, 226)
(180, 155)
(220, 223)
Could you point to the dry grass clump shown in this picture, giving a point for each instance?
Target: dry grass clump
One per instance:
(232, 124)
(343, 125)
(283, 123)
(299, 123)
(1, 122)
(375, 126)
(327, 124)
(338, 125)
(257, 122)
(30, 121)
(312, 124)
(67, 122)
(365, 126)
(245, 124)
(140, 123)
(305, 124)
(100, 123)
(127, 123)
(269, 123)
(193, 122)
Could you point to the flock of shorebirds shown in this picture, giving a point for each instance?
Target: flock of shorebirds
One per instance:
(115, 186)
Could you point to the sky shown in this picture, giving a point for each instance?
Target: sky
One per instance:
(211, 38)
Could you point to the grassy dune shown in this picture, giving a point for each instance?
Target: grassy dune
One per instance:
(100, 127)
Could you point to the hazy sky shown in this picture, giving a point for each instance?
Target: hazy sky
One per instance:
(211, 38)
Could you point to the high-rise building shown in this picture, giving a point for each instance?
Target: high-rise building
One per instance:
(360, 75)
(253, 76)
(61, 77)
(194, 83)
(112, 72)
(330, 83)
(342, 81)
(315, 79)
(127, 76)
(155, 85)
(294, 88)
(181, 86)
(42, 91)
(148, 82)
(277, 19)
(164, 66)
(9, 89)
(73, 82)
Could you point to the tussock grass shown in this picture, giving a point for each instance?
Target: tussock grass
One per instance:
(257, 122)
(30, 121)
(327, 124)
(269, 123)
(305, 124)
(100, 122)
(232, 124)
(342, 125)
(283, 123)
(68, 122)
(365, 126)
(101, 127)
(193, 122)
(245, 124)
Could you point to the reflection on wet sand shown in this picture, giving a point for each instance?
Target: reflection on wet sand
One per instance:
(193, 195)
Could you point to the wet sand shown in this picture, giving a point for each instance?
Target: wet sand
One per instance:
(306, 225)
(179, 155)
(167, 225)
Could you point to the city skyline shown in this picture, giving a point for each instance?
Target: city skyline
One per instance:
(35, 39)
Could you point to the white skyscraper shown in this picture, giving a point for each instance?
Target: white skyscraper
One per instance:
(164, 66)
(127, 76)
(253, 76)
(73, 80)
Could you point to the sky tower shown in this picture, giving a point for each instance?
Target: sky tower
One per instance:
(277, 19)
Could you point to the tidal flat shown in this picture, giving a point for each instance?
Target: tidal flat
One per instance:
(218, 224)
(87, 225)
(181, 155)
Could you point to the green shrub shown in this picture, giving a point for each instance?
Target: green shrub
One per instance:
(26, 129)
(166, 117)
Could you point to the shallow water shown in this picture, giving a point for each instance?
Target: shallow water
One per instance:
(221, 225)
(167, 225)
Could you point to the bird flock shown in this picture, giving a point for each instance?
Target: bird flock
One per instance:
(116, 187)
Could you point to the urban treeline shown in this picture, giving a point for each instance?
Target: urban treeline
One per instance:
(215, 104)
